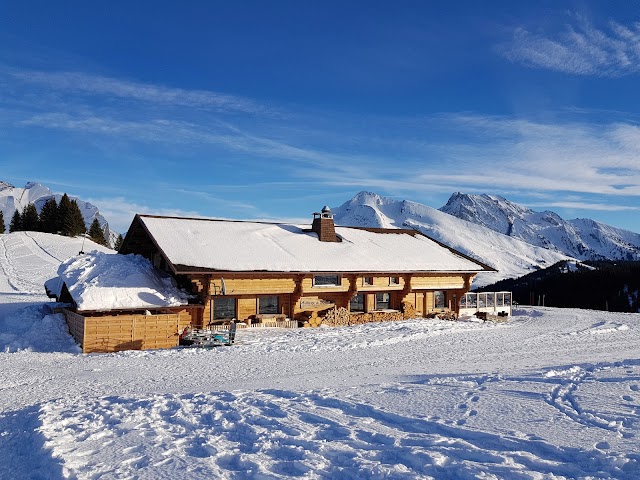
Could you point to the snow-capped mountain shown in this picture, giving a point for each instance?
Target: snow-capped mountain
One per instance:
(580, 238)
(15, 198)
(510, 256)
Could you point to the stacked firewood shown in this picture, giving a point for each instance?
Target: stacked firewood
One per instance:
(313, 321)
(444, 315)
(337, 317)
(409, 311)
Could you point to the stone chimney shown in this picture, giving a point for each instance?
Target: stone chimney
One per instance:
(323, 225)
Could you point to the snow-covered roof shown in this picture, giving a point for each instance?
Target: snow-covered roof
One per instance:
(100, 281)
(276, 247)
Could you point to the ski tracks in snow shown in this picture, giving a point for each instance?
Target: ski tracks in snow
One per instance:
(26, 265)
(575, 384)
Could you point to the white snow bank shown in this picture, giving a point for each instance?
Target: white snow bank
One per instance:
(98, 281)
(30, 330)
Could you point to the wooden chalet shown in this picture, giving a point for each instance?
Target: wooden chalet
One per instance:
(284, 274)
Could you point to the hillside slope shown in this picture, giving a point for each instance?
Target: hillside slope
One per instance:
(583, 239)
(510, 256)
(28, 259)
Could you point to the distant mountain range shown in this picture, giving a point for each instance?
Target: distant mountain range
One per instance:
(513, 239)
(16, 198)
(581, 238)
(510, 256)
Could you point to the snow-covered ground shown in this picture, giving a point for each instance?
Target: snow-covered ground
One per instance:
(550, 394)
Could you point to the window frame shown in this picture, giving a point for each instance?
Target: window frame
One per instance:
(387, 303)
(338, 282)
(435, 299)
(364, 303)
(277, 304)
(395, 280)
(216, 303)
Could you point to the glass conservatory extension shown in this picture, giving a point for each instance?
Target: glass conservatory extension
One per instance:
(489, 302)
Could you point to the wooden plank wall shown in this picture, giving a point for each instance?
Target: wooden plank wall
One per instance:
(75, 323)
(133, 332)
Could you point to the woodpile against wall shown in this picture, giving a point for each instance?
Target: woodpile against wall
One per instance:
(341, 317)
(410, 311)
(444, 315)
(313, 321)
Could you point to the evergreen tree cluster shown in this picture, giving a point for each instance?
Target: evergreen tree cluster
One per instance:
(601, 285)
(64, 218)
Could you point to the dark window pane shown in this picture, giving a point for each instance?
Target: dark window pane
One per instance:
(368, 281)
(382, 301)
(463, 301)
(326, 280)
(224, 308)
(394, 280)
(439, 299)
(507, 299)
(357, 303)
(268, 304)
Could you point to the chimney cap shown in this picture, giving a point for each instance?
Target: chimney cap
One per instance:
(326, 209)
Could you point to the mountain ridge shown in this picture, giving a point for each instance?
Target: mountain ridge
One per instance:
(17, 198)
(510, 256)
(580, 238)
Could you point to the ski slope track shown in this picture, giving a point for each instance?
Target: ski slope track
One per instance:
(550, 394)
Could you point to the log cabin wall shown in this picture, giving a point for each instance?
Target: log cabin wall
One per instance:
(290, 288)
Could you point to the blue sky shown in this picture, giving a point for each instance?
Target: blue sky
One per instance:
(271, 110)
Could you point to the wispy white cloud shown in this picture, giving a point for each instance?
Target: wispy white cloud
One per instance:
(580, 49)
(505, 154)
(120, 212)
(603, 207)
(83, 83)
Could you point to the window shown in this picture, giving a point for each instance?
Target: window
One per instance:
(394, 280)
(463, 301)
(224, 308)
(439, 299)
(367, 281)
(326, 280)
(382, 301)
(482, 300)
(268, 304)
(507, 299)
(357, 303)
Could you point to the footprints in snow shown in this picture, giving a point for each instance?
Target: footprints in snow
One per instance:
(470, 398)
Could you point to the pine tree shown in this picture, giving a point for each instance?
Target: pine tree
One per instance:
(118, 243)
(16, 222)
(74, 223)
(49, 216)
(30, 218)
(64, 214)
(2, 227)
(96, 233)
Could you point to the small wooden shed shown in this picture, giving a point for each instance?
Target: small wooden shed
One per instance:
(120, 302)
(116, 331)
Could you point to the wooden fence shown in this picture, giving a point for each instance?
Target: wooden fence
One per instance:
(126, 332)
